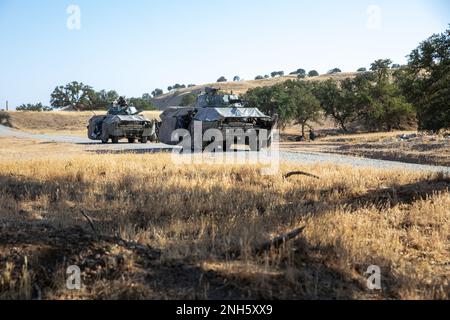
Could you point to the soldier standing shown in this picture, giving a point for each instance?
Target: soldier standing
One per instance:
(312, 135)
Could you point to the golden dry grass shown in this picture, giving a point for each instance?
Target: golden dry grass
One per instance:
(198, 215)
(422, 149)
(18, 148)
(366, 136)
(49, 121)
(61, 122)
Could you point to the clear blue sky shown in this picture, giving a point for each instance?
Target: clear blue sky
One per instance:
(135, 46)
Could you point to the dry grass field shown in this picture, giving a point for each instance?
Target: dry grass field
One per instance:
(162, 231)
(13, 149)
(420, 148)
(60, 122)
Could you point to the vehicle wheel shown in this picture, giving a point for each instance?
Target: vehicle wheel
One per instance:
(104, 141)
(255, 148)
(224, 146)
(154, 138)
(115, 140)
(144, 140)
(131, 140)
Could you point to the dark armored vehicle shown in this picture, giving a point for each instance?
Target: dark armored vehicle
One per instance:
(121, 121)
(226, 114)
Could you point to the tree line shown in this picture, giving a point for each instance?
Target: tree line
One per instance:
(387, 97)
(78, 96)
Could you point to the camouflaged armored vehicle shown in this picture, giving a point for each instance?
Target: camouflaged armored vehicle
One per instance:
(121, 122)
(225, 113)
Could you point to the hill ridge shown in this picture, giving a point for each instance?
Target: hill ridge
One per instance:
(174, 97)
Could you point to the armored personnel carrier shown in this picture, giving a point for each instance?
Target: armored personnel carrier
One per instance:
(225, 114)
(121, 122)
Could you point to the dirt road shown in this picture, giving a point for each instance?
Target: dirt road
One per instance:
(297, 157)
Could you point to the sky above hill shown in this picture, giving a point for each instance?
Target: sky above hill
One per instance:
(135, 46)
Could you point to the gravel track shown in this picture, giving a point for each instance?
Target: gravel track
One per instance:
(296, 157)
